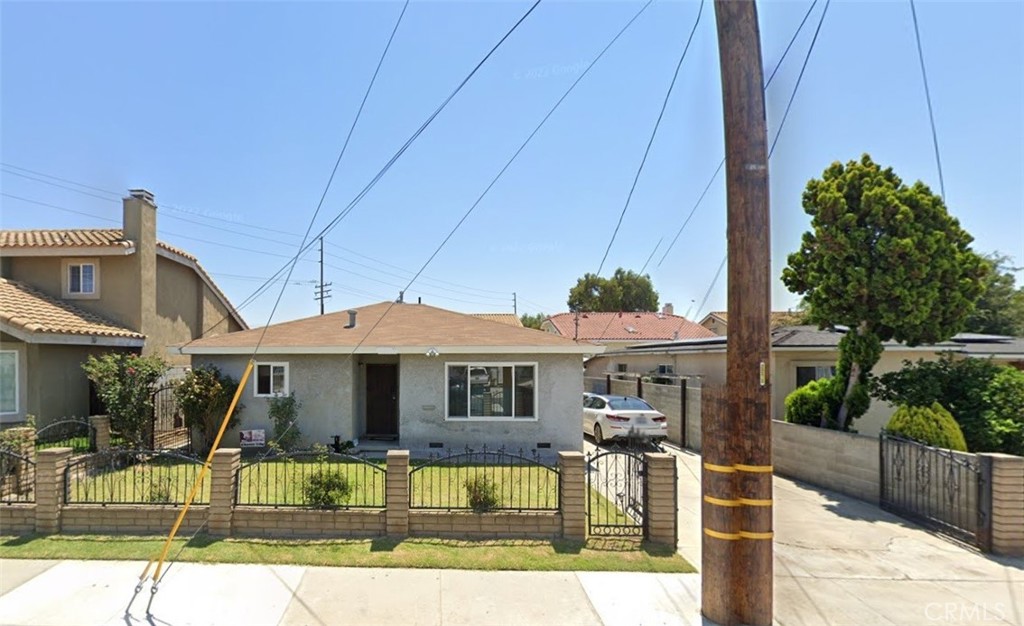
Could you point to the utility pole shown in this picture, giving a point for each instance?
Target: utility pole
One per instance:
(322, 292)
(736, 510)
(515, 306)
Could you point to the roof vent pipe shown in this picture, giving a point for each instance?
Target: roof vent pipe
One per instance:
(351, 318)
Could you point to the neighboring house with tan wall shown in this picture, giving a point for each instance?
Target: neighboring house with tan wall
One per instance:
(799, 354)
(414, 375)
(718, 321)
(621, 329)
(68, 294)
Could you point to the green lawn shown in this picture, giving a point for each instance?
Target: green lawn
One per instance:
(515, 487)
(109, 479)
(284, 481)
(521, 554)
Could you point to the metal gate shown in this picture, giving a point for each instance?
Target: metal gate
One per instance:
(941, 489)
(616, 494)
(167, 430)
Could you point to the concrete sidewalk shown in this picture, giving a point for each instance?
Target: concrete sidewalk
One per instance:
(72, 593)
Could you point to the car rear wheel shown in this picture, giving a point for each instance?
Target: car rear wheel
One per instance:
(598, 438)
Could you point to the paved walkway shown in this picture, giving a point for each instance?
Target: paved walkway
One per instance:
(838, 561)
(841, 561)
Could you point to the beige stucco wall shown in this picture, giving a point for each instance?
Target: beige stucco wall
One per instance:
(332, 389)
(178, 308)
(57, 386)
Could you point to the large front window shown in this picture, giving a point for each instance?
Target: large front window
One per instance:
(807, 373)
(8, 381)
(491, 391)
(271, 379)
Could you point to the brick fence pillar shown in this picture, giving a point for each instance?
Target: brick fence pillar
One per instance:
(50, 465)
(397, 496)
(101, 423)
(572, 495)
(661, 507)
(1006, 487)
(223, 480)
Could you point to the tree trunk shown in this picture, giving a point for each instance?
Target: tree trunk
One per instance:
(844, 408)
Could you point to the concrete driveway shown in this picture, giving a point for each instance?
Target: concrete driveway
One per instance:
(839, 560)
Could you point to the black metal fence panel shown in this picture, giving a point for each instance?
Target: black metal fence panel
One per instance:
(134, 477)
(167, 430)
(77, 434)
(312, 479)
(937, 488)
(484, 480)
(17, 477)
(616, 494)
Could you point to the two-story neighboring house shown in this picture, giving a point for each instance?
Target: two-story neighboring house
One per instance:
(68, 294)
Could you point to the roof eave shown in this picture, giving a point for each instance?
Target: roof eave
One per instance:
(71, 339)
(69, 251)
(368, 349)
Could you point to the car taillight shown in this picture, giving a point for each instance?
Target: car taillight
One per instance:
(617, 418)
(660, 418)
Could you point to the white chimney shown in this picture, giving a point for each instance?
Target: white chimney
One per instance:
(668, 309)
(351, 318)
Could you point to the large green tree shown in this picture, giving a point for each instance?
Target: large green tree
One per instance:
(886, 260)
(1000, 310)
(625, 290)
(533, 321)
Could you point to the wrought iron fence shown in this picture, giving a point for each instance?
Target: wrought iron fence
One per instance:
(167, 430)
(616, 493)
(134, 477)
(938, 488)
(17, 477)
(311, 478)
(77, 434)
(484, 480)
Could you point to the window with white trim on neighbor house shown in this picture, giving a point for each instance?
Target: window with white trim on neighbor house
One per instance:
(8, 381)
(81, 278)
(491, 391)
(271, 380)
(807, 373)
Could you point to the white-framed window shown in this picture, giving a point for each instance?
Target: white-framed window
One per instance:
(8, 381)
(81, 278)
(807, 373)
(271, 380)
(490, 391)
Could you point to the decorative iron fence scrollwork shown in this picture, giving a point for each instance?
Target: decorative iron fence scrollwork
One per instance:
(134, 477)
(313, 479)
(17, 477)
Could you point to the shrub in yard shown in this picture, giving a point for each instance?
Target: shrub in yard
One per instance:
(125, 384)
(815, 404)
(204, 396)
(160, 490)
(1005, 411)
(327, 488)
(482, 493)
(283, 411)
(932, 425)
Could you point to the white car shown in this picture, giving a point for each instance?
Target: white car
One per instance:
(613, 417)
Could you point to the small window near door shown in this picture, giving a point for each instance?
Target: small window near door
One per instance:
(807, 373)
(271, 380)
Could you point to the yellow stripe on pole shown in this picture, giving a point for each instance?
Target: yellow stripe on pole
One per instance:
(198, 481)
(755, 502)
(723, 469)
(721, 501)
(718, 535)
(746, 534)
(737, 501)
(756, 469)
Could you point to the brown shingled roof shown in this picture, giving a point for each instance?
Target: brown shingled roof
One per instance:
(641, 326)
(405, 326)
(26, 309)
(504, 318)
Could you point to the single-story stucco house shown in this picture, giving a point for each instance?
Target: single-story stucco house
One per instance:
(414, 375)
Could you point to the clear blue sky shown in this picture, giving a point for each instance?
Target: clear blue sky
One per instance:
(236, 111)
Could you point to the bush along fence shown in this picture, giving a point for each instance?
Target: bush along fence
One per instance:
(482, 494)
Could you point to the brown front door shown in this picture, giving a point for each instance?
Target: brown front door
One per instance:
(382, 401)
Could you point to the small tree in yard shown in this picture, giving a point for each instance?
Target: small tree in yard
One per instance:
(885, 260)
(204, 396)
(283, 411)
(125, 384)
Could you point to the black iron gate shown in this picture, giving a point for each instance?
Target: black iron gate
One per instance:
(616, 493)
(941, 489)
(167, 430)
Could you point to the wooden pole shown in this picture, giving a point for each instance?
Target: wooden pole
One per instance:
(737, 479)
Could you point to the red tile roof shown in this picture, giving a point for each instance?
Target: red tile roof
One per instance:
(32, 311)
(628, 327)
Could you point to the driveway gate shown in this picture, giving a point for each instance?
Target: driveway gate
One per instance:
(941, 489)
(616, 494)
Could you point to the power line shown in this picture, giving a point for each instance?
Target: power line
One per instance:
(718, 170)
(654, 133)
(928, 98)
